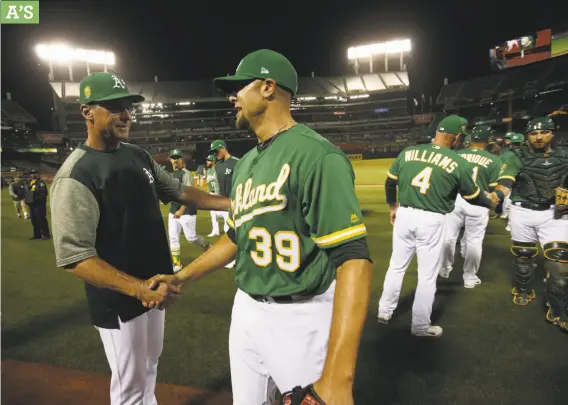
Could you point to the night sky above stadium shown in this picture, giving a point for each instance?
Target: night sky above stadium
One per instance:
(208, 38)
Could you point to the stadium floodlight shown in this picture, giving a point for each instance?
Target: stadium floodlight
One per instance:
(63, 54)
(366, 51)
(400, 46)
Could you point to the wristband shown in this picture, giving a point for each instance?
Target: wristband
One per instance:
(500, 194)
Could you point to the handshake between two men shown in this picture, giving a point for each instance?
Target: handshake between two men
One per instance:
(161, 290)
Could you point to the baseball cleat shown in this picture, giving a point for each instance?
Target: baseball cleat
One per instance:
(522, 298)
(561, 322)
(508, 228)
(207, 246)
(384, 319)
(444, 273)
(431, 331)
(177, 268)
(230, 265)
(471, 283)
(213, 234)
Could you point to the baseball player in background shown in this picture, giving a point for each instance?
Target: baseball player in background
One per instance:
(200, 175)
(486, 167)
(182, 217)
(428, 178)
(303, 267)
(224, 169)
(516, 140)
(17, 191)
(535, 175)
(213, 187)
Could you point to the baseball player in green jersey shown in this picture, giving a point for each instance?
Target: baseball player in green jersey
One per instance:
(428, 178)
(181, 216)
(517, 140)
(534, 175)
(213, 186)
(303, 268)
(486, 167)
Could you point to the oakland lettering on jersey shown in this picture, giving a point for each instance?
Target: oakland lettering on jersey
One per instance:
(247, 197)
(435, 158)
(477, 159)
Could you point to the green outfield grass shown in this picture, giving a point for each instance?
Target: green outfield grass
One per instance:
(492, 352)
(559, 46)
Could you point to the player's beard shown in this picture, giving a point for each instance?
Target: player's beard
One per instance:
(242, 122)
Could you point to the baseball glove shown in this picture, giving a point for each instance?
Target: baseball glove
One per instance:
(301, 396)
(561, 202)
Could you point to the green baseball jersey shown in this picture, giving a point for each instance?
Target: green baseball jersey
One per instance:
(430, 176)
(212, 182)
(535, 175)
(486, 166)
(291, 200)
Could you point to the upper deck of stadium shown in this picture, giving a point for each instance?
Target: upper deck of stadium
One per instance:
(203, 90)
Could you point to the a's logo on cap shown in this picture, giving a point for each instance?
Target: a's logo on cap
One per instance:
(118, 83)
(87, 92)
(463, 127)
(264, 71)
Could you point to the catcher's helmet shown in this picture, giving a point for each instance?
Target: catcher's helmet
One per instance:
(482, 133)
(544, 123)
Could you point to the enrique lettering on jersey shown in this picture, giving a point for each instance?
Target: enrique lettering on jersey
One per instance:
(477, 159)
(435, 158)
(252, 201)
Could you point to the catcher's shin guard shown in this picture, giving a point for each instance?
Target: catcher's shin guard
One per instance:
(556, 283)
(525, 267)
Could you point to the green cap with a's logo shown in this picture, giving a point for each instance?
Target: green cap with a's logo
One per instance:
(216, 144)
(517, 138)
(176, 153)
(261, 64)
(99, 87)
(482, 133)
(211, 158)
(453, 124)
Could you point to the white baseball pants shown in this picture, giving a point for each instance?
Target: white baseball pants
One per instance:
(415, 232)
(132, 353)
(475, 219)
(506, 206)
(188, 224)
(215, 216)
(536, 226)
(281, 343)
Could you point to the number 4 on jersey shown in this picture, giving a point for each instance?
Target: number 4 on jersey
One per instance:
(422, 180)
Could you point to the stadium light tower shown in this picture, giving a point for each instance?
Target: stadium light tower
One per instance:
(383, 48)
(62, 54)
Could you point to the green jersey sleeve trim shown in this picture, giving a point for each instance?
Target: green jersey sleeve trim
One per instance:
(340, 236)
(472, 196)
(391, 176)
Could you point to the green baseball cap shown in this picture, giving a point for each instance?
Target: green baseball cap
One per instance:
(105, 86)
(453, 124)
(262, 64)
(216, 144)
(509, 135)
(545, 123)
(176, 153)
(517, 138)
(211, 158)
(481, 133)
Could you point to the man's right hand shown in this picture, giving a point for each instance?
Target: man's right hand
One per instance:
(392, 215)
(158, 295)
